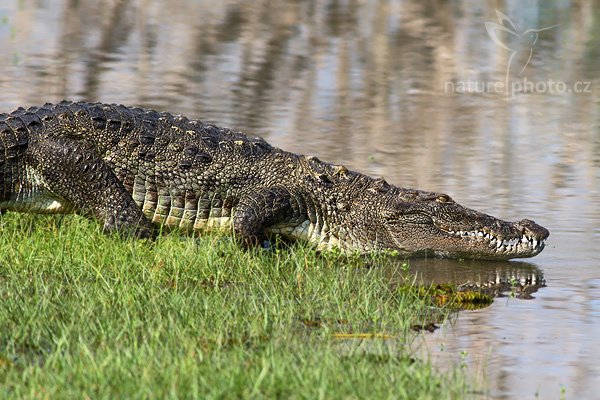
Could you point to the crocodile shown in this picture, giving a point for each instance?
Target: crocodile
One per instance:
(140, 171)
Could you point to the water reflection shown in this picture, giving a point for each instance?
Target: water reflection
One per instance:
(365, 83)
(497, 279)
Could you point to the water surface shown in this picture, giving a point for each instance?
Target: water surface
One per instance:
(373, 85)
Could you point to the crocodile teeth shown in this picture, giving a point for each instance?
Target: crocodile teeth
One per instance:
(501, 245)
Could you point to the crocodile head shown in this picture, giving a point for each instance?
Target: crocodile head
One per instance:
(425, 223)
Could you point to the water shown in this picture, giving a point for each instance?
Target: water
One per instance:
(380, 87)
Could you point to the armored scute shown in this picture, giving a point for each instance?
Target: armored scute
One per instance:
(135, 169)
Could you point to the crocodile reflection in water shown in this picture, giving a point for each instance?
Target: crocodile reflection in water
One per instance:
(495, 279)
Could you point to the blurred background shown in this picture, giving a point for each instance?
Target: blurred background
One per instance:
(410, 90)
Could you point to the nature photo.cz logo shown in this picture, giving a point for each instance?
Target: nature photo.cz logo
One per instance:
(521, 46)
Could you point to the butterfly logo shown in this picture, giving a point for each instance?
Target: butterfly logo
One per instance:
(522, 44)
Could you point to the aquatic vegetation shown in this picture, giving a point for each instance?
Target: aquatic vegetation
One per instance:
(449, 296)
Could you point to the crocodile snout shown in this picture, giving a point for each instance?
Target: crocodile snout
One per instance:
(530, 228)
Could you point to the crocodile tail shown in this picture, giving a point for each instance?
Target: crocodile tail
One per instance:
(15, 131)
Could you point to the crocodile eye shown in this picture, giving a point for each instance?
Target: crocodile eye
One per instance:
(443, 198)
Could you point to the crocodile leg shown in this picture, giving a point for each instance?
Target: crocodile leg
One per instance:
(73, 170)
(264, 208)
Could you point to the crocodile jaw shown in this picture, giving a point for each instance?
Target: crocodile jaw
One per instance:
(489, 238)
(519, 245)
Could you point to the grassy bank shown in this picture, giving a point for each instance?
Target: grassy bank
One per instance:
(86, 315)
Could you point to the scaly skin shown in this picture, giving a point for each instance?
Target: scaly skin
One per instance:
(134, 169)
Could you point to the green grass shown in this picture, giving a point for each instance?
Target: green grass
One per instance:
(84, 315)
